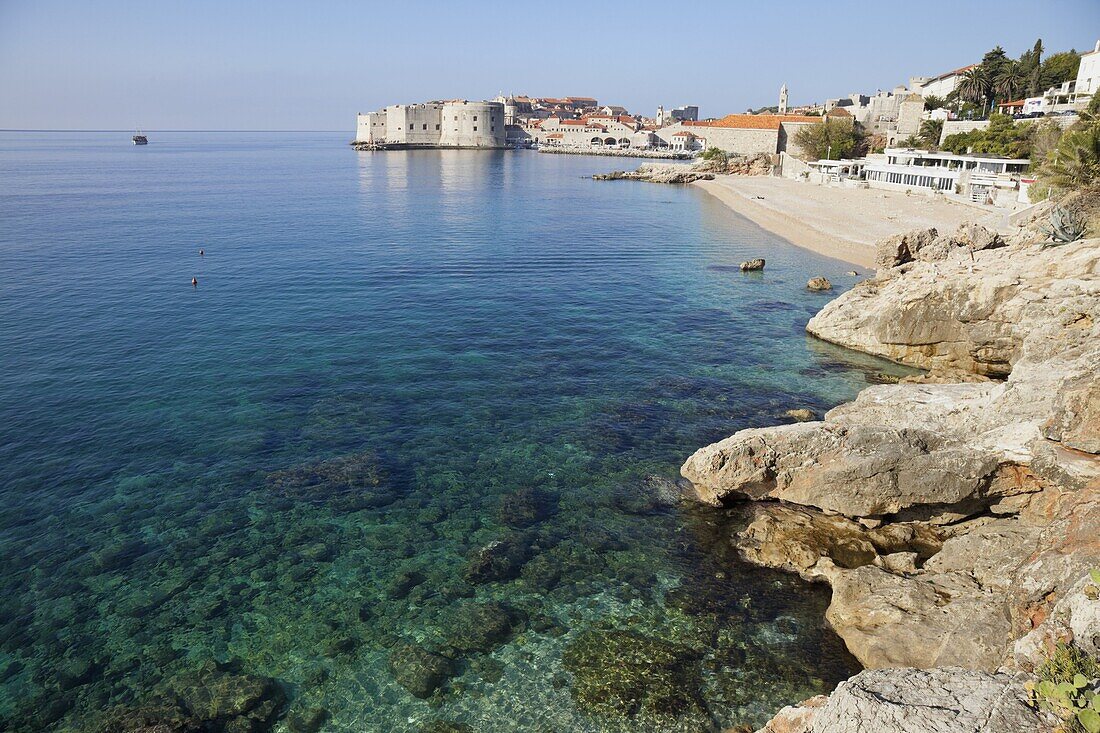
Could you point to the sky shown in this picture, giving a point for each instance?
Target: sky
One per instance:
(313, 64)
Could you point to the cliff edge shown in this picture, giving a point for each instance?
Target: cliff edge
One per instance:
(953, 516)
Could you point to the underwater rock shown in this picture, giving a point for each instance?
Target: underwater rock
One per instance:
(654, 494)
(308, 720)
(403, 583)
(155, 717)
(418, 670)
(220, 697)
(801, 414)
(481, 627)
(77, 671)
(347, 483)
(212, 700)
(624, 673)
(526, 507)
(445, 726)
(626, 426)
(498, 560)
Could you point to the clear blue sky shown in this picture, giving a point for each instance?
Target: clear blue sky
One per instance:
(311, 65)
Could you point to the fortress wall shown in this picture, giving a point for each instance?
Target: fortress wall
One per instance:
(370, 126)
(413, 124)
(730, 139)
(473, 125)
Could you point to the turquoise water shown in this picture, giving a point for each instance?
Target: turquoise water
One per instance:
(293, 475)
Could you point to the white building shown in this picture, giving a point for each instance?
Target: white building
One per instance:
(942, 85)
(1088, 74)
(980, 178)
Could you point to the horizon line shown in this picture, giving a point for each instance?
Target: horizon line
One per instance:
(150, 129)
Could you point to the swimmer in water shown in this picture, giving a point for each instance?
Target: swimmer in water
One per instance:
(194, 282)
(202, 253)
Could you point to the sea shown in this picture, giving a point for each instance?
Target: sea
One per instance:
(299, 438)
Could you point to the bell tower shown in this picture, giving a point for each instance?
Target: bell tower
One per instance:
(783, 100)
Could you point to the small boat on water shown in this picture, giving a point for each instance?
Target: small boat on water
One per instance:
(140, 139)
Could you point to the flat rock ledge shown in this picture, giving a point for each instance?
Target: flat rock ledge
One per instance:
(954, 516)
(909, 700)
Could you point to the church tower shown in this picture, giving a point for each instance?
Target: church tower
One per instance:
(783, 100)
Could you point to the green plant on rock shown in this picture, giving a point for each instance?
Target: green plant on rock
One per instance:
(1068, 685)
(713, 153)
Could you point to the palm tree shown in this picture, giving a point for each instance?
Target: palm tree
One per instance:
(930, 131)
(1009, 83)
(1076, 161)
(974, 86)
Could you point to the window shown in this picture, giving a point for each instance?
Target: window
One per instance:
(425, 126)
(475, 118)
(410, 127)
(437, 127)
(475, 128)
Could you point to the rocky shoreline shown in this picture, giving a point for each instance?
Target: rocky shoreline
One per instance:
(701, 170)
(956, 516)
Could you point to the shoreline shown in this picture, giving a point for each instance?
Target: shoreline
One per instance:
(843, 223)
(795, 231)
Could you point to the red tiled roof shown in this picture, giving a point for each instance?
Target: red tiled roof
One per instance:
(751, 122)
(572, 122)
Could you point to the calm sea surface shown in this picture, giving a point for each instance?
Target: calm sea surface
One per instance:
(417, 428)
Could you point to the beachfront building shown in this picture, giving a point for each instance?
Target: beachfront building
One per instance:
(985, 179)
(453, 124)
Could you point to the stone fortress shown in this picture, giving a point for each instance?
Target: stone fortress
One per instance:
(450, 124)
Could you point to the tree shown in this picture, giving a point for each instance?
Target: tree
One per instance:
(1001, 137)
(1008, 82)
(1032, 67)
(930, 131)
(1058, 68)
(831, 139)
(1076, 160)
(974, 86)
(932, 102)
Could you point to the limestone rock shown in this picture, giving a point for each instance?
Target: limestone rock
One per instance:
(975, 237)
(659, 173)
(970, 316)
(929, 701)
(1076, 419)
(795, 718)
(801, 414)
(752, 265)
(950, 519)
(902, 248)
(857, 470)
(819, 284)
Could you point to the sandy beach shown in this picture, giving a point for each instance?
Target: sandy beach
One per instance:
(839, 222)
